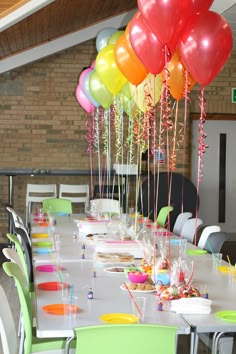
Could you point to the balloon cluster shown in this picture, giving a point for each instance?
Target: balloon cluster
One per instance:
(163, 36)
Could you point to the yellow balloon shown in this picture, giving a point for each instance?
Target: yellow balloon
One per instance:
(108, 71)
(148, 93)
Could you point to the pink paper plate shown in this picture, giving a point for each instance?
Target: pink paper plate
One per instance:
(48, 268)
(40, 214)
(121, 242)
(40, 219)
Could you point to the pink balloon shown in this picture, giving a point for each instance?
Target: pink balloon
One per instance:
(206, 45)
(93, 64)
(166, 18)
(146, 45)
(82, 75)
(83, 101)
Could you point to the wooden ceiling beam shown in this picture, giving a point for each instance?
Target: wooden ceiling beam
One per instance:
(17, 14)
(64, 42)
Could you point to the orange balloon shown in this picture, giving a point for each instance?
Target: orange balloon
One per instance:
(131, 67)
(176, 79)
(132, 53)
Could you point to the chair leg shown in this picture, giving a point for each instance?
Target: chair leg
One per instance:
(22, 338)
(19, 326)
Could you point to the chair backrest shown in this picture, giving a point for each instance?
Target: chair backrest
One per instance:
(181, 218)
(162, 217)
(205, 234)
(7, 326)
(12, 255)
(14, 215)
(25, 256)
(128, 338)
(13, 270)
(37, 193)
(57, 206)
(19, 225)
(215, 242)
(76, 193)
(104, 205)
(190, 228)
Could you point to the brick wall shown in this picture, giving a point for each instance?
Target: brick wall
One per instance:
(43, 126)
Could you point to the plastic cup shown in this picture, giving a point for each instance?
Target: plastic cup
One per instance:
(139, 302)
(232, 276)
(70, 305)
(64, 278)
(216, 260)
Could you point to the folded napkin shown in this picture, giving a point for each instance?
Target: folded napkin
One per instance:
(192, 305)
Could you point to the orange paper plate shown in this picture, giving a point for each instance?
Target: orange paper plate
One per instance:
(60, 309)
(52, 285)
(43, 223)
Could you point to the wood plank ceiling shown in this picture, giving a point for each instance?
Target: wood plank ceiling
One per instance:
(57, 19)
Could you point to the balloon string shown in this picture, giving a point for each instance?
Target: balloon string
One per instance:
(130, 140)
(202, 146)
(182, 133)
(90, 131)
(118, 129)
(105, 132)
(173, 155)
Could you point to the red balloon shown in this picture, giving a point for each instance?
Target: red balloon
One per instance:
(206, 45)
(166, 18)
(201, 5)
(146, 45)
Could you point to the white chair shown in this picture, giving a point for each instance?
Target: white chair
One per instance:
(206, 233)
(77, 193)
(7, 326)
(179, 222)
(14, 215)
(12, 255)
(104, 205)
(36, 193)
(190, 228)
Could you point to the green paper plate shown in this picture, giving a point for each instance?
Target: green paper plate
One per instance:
(42, 244)
(229, 316)
(196, 252)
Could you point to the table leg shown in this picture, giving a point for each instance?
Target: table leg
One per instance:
(10, 201)
(67, 345)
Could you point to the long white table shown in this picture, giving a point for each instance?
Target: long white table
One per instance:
(221, 291)
(110, 298)
(108, 295)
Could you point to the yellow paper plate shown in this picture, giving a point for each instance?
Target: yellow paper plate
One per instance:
(227, 269)
(39, 235)
(118, 318)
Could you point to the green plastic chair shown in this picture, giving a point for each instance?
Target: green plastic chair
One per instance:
(57, 206)
(163, 215)
(126, 339)
(13, 238)
(7, 326)
(32, 344)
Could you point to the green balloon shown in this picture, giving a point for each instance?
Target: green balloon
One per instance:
(99, 91)
(114, 37)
